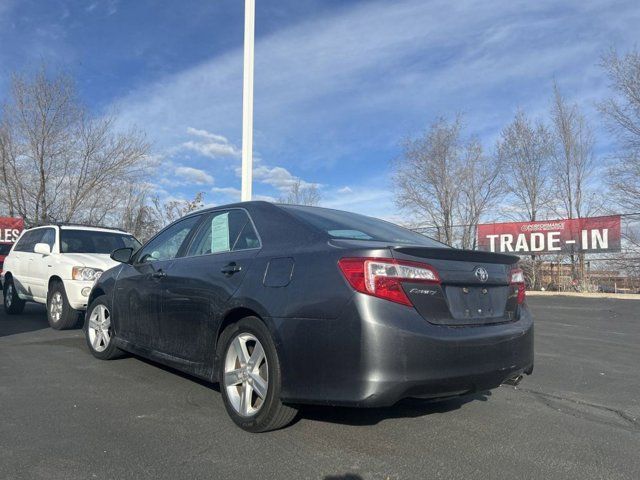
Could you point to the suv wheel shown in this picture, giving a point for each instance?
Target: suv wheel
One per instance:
(250, 379)
(13, 304)
(98, 330)
(59, 313)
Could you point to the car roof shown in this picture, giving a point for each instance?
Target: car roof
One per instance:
(79, 227)
(252, 203)
(93, 229)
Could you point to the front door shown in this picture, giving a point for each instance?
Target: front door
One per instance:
(41, 265)
(138, 293)
(199, 284)
(23, 277)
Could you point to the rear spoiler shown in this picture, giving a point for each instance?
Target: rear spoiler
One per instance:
(458, 254)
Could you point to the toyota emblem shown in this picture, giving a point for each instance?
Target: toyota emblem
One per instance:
(481, 274)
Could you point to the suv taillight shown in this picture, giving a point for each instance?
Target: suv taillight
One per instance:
(383, 277)
(517, 279)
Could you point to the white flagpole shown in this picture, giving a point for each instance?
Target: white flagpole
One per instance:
(247, 100)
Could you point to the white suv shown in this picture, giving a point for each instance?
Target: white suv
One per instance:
(57, 265)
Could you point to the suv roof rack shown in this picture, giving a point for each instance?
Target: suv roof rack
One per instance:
(72, 224)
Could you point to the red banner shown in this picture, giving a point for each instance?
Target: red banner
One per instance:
(10, 229)
(585, 235)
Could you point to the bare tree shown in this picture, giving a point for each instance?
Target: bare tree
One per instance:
(426, 177)
(302, 194)
(525, 150)
(58, 163)
(171, 210)
(480, 190)
(573, 165)
(446, 181)
(138, 214)
(623, 114)
(573, 157)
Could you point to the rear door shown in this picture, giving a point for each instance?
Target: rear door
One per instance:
(199, 284)
(138, 292)
(474, 288)
(16, 265)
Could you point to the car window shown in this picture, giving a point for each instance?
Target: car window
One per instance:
(4, 248)
(22, 241)
(49, 237)
(352, 226)
(29, 240)
(224, 231)
(73, 240)
(166, 245)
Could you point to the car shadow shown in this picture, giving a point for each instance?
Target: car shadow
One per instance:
(408, 408)
(175, 371)
(32, 319)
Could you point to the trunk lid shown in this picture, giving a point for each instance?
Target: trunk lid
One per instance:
(474, 287)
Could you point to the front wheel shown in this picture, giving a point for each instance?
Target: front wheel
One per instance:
(250, 378)
(59, 313)
(98, 330)
(13, 304)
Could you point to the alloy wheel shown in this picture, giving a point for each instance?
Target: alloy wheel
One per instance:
(8, 297)
(100, 328)
(246, 374)
(56, 306)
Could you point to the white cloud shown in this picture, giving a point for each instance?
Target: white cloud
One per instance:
(227, 193)
(226, 190)
(345, 190)
(194, 175)
(203, 133)
(211, 145)
(278, 177)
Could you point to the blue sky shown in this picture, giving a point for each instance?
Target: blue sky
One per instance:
(338, 84)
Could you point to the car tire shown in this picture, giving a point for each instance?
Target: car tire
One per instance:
(59, 313)
(251, 384)
(98, 330)
(13, 304)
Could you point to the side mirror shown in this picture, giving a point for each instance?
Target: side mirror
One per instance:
(42, 248)
(122, 255)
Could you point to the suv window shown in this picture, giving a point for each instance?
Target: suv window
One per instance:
(29, 239)
(224, 231)
(49, 237)
(166, 245)
(74, 240)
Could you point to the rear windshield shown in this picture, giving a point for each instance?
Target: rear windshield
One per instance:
(352, 226)
(90, 241)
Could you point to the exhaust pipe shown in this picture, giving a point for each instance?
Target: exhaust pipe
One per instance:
(513, 381)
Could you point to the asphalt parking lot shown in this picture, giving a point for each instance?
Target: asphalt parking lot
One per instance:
(64, 414)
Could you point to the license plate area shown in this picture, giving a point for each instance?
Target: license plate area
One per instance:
(475, 302)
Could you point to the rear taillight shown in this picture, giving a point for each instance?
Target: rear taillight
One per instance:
(383, 277)
(517, 279)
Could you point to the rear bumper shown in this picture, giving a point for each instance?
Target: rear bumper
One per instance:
(379, 352)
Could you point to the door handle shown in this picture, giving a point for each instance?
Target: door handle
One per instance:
(231, 268)
(158, 274)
